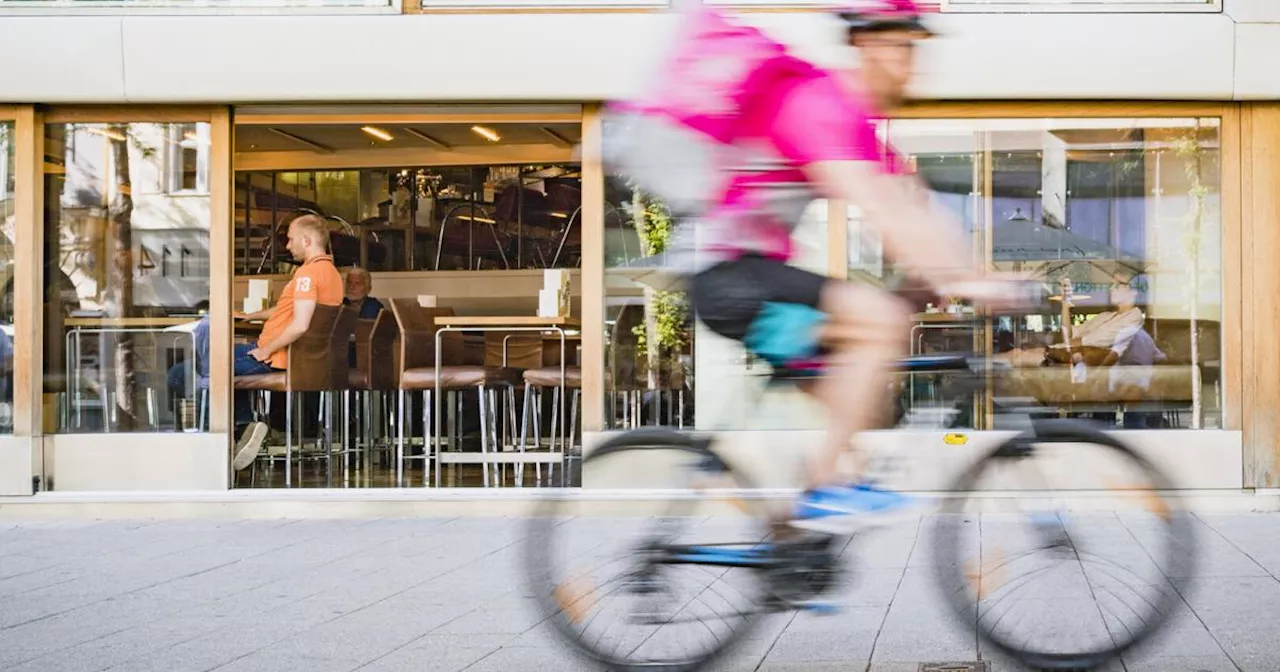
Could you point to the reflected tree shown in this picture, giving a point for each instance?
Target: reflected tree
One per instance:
(665, 331)
(1190, 148)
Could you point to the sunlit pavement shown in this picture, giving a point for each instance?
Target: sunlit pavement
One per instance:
(443, 594)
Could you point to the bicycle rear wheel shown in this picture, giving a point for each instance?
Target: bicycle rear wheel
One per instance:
(1058, 589)
(605, 583)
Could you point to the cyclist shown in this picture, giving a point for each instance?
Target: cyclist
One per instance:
(819, 125)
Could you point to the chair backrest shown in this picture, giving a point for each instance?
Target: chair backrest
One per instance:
(376, 350)
(416, 347)
(339, 342)
(309, 368)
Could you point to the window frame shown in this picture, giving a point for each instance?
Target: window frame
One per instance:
(173, 164)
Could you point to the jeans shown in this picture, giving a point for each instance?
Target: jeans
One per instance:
(245, 365)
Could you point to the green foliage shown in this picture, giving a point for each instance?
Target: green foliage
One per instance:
(670, 310)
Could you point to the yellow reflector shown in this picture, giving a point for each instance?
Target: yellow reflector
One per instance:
(955, 439)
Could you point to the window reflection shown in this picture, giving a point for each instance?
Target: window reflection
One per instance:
(126, 275)
(1120, 220)
(655, 350)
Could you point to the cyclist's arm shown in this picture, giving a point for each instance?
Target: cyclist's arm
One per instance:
(915, 235)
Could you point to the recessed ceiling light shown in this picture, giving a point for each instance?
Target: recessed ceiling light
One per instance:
(486, 133)
(377, 133)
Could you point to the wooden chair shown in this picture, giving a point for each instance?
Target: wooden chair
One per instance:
(310, 368)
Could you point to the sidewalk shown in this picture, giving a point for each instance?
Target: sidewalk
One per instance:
(385, 595)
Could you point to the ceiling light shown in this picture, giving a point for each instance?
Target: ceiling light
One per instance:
(109, 134)
(482, 220)
(377, 133)
(560, 215)
(486, 133)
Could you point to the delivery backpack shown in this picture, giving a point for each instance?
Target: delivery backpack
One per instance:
(676, 139)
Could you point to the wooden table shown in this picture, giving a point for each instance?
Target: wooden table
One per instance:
(246, 329)
(128, 322)
(511, 323)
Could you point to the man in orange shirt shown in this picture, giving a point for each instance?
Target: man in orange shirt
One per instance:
(316, 281)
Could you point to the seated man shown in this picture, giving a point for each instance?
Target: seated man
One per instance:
(178, 384)
(359, 284)
(1090, 342)
(316, 281)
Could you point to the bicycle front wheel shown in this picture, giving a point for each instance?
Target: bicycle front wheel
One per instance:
(605, 579)
(1075, 554)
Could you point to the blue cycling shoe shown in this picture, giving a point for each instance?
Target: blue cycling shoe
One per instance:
(846, 508)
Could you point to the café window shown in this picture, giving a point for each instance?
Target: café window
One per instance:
(126, 277)
(1120, 221)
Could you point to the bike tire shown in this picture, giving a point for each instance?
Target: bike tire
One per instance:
(956, 579)
(546, 533)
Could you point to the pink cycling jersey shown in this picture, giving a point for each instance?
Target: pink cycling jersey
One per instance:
(804, 119)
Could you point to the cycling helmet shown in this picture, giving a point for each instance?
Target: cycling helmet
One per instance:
(861, 16)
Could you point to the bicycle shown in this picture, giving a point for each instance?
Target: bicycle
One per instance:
(737, 571)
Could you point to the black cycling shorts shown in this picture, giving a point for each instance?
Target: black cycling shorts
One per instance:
(733, 297)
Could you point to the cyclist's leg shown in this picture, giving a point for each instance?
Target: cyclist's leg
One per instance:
(865, 335)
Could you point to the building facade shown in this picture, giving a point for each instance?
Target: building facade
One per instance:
(1119, 150)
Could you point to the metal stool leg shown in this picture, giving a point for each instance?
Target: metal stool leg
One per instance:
(400, 417)
(484, 437)
(288, 439)
(430, 447)
(346, 438)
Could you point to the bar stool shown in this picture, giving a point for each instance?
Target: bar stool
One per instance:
(536, 382)
(416, 372)
(374, 373)
(309, 369)
(340, 375)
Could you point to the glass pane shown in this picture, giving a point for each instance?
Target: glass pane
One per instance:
(7, 212)
(1120, 219)
(655, 350)
(947, 157)
(127, 280)
(649, 332)
(415, 211)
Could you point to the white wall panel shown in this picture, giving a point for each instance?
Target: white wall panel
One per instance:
(1253, 11)
(582, 56)
(140, 462)
(56, 59)
(1257, 75)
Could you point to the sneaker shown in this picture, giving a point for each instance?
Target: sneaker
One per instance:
(842, 509)
(250, 444)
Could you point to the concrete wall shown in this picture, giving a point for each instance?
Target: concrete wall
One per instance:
(134, 58)
(18, 463)
(1197, 460)
(138, 462)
